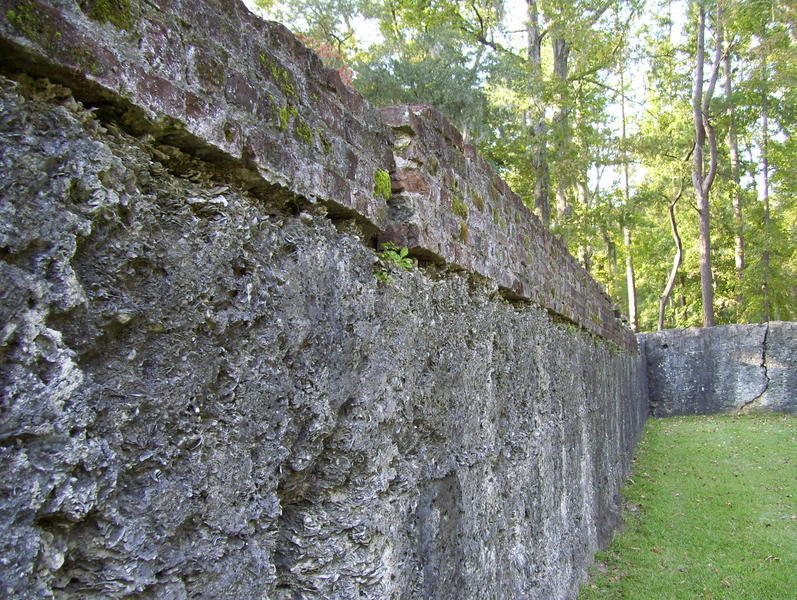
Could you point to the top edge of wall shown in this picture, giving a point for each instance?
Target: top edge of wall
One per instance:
(216, 80)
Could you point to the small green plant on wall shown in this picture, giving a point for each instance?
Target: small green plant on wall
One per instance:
(391, 257)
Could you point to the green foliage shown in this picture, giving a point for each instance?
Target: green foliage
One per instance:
(391, 258)
(707, 515)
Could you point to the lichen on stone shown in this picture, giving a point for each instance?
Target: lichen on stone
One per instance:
(229, 133)
(85, 59)
(326, 145)
(210, 72)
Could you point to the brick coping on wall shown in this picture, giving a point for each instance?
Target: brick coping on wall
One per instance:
(213, 79)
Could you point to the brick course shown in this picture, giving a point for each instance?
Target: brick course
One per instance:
(212, 78)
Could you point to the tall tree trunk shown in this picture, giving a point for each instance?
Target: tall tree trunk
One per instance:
(561, 54)
(682, 298)
(676, 261)
(585, 251)
(630, 277)
(611, 259)
(702, 179)
(630, 281)
(765, 194)
(736, 193)
(539, 129)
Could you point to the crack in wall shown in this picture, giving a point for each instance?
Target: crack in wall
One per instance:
(750, 404)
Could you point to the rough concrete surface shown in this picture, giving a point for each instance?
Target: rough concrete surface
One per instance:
(781, 365)
(722, 369)
(207, 394)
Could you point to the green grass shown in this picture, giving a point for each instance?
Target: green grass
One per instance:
(711, 512)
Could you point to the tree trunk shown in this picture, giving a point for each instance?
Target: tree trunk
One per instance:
(630, 278)
(701, 179)
(736, 193)
(676, 261)
(539, 130)
(765, 197)
(611, 259)
(585, 251)
(563, 135)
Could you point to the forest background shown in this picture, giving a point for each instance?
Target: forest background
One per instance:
(654, 137)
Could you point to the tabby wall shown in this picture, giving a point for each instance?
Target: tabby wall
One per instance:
(207, 393)
(724, 369)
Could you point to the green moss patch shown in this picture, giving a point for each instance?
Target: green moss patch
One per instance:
(464, 234)
(28, 21)
(279, 74)
(478, 202)
(211, 72)
(118, 13)
(382, 186)
(284, 115)
(303, 131)
(460, 208)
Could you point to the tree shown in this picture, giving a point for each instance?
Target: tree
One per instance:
(702, 176)
(676, 261)
(630, 276)
(735, 179)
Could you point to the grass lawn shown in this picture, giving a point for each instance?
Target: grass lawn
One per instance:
(711, 512)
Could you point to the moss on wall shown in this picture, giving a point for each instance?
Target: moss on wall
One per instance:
(119, 13)
(303, 131)
(28, 22)
(382, 187)
(464, 235)
(460, 208)
(211, 72)
(284, 115)
(279, 75)
(478, 202)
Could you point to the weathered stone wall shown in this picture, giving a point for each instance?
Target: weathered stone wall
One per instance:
(730, 368)
(210, 77)
(205, 391)
(213, 79)
(451, 205)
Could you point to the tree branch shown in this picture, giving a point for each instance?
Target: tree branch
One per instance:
(715, 68)
(599, 12)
